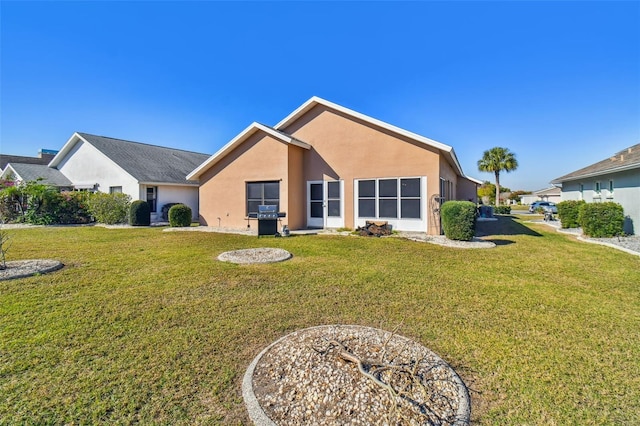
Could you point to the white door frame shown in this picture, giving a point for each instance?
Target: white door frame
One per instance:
(325, 221)
(314, 222)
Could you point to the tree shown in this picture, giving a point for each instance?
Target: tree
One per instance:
(496, 160)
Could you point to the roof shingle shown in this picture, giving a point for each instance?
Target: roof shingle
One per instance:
(626, 159)
(148, 163)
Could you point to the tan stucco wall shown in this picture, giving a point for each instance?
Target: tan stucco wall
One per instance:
(467, 190)
(342, 148)
(223, 186)
(348, 149)
(296, 209)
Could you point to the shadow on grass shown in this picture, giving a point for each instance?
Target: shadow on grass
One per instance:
(505, 225)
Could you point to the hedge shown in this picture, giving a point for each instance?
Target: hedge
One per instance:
(601, 220)
(180, 215)
(568, 212)
(139, 213)
(459, 220)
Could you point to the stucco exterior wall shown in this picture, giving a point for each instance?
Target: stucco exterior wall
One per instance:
(467, 190)
(223, 186)
(86, 165)
(626, 192)
(175, 194)
(348, 149)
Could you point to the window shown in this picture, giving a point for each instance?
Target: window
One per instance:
(367, 198)
(262, 193)
(389, 198)
(597, 188)
(333, 199)
(115, 190)
(152, 195)
(611, 186)
(410, 198)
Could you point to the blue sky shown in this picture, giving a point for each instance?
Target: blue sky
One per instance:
(558, 83)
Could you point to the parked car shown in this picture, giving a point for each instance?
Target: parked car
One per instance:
(546, 206)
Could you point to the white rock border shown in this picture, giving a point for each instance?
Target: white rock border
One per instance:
(260, 418)
(27, 268)
(255, 255)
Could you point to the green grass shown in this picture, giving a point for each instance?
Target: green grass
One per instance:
(147, 326)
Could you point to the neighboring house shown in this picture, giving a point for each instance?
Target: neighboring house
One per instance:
(326, 166)
(548, 194)
(145, 172)
(615, 179)
(21, 173)
(44, 157)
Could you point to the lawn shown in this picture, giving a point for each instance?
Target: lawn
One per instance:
(147, 326)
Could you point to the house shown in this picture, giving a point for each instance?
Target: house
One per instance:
(614, 179)
(326, 166)
(548, 194)
(25, 172)
(145, 172)
(44, 157)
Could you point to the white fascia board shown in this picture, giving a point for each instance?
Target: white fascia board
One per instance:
(239, 139)
(596, 174)
(10, 168)
(187, 183)
(65, 150)
(390, 127)
(474, 180)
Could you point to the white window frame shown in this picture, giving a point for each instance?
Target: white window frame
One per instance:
(399, 223)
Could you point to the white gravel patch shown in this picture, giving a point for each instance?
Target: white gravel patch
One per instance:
(26, 268)
(255, 255)
(302, 379)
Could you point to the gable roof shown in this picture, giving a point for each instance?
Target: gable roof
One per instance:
(554, 190)
(626, 159)
(146, 163)
(238, 140)
(311, 103)
(278, 132)
(30, 172)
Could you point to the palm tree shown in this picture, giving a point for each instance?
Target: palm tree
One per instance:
(497, 160)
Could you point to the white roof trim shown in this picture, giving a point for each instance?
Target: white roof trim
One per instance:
(6, 169)
(235, 142)
(65, 149)
(319, 101)
(562, 179)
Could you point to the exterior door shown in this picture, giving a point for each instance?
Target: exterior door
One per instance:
(325, 204)
(315, 204)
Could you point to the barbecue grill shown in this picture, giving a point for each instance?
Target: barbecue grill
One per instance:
(268, 220)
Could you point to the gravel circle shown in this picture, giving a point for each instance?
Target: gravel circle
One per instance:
(304, 378)
(26, 268)
(255, 255)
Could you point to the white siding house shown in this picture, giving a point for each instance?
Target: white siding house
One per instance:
(145, 172)
(615, 179)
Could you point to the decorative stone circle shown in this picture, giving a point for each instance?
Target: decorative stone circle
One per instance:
(255, 255)
(25, 268)
(306, 378)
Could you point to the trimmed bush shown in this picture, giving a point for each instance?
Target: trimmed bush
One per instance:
(139, 213)
(180, 215)
(502, 209)
(109, 208)
(459, 220)
(601, 220)
(568, 212)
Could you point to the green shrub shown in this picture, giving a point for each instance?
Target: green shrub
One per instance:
(601, 220)
(109, 208)
(568, 212)
(180, 215)
(502, 209)
(139, 213)
(459, 220)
